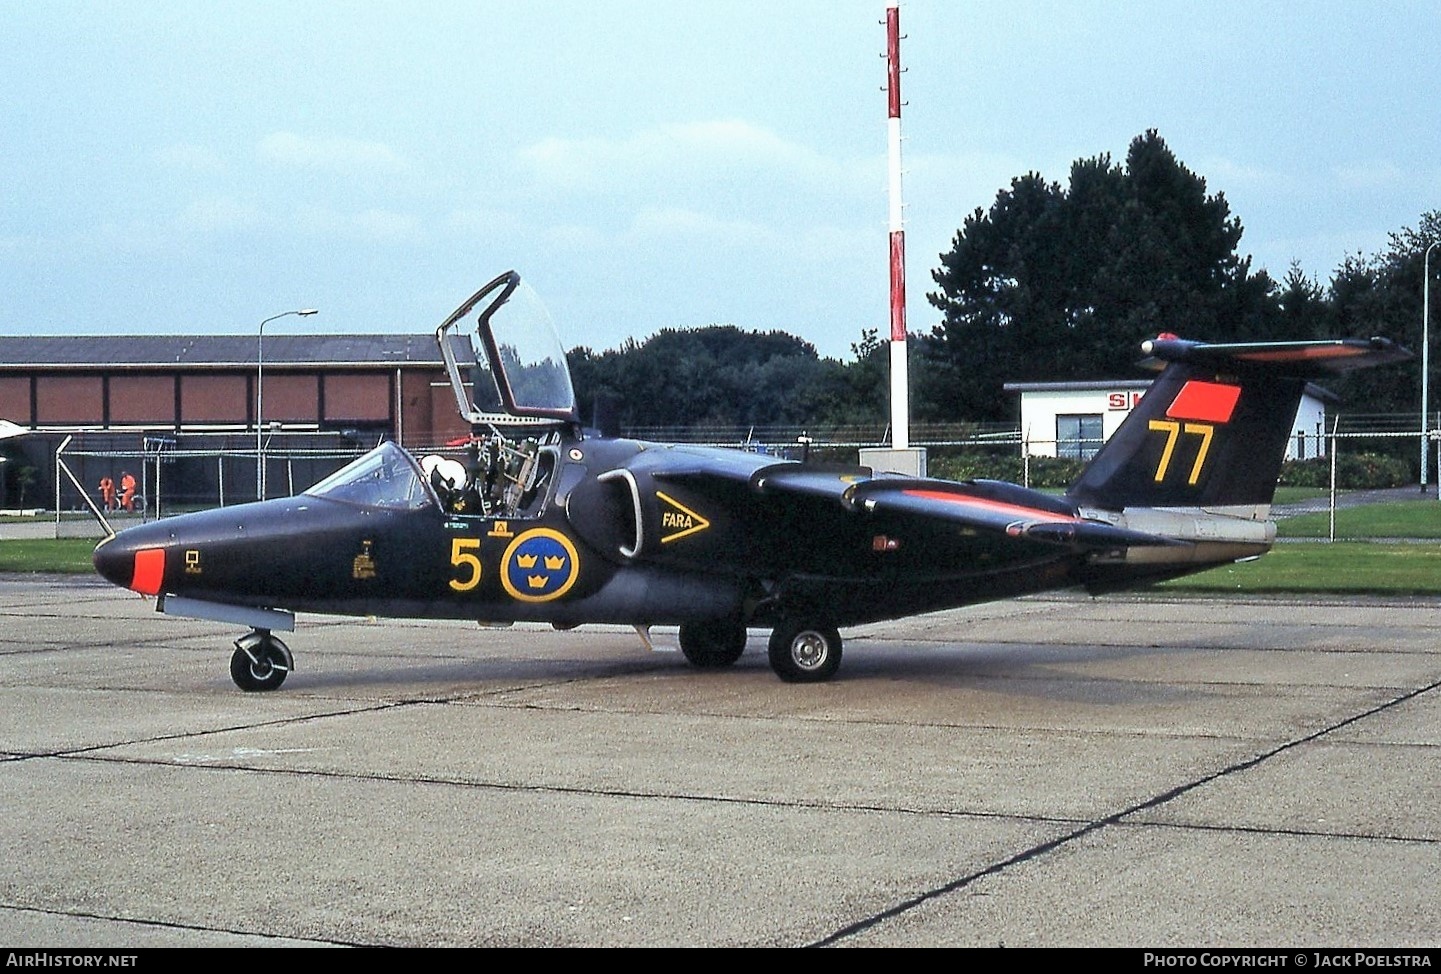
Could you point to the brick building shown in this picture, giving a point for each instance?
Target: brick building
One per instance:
(133, 393)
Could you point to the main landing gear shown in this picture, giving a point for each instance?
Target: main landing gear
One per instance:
(800, 652)
(712, 644)
(804, 652)
(261, 662)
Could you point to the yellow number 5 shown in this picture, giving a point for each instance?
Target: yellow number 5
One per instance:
(462, 556)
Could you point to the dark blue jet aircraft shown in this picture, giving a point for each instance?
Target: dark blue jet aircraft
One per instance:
(541, 520)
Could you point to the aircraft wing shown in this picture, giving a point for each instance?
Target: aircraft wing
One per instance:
(954, 504)
(983, 506)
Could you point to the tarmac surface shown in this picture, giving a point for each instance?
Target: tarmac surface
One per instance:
(1137, 771)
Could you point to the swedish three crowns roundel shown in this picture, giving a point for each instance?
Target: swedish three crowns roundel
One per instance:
(539, 565)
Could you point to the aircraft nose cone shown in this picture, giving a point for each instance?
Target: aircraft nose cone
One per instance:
(114, 562)
(130, 566)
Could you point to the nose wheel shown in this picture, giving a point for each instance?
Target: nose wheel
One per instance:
(261, 662)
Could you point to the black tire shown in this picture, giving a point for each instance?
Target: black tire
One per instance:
(805, 653)
(264, 673)
(712, 644)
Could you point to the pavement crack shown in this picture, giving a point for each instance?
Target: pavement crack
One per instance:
(1116, 818)
(92, 751)
(152, 924)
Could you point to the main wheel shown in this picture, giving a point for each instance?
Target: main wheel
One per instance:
(260, 666)
(804, 653)
(712, 644)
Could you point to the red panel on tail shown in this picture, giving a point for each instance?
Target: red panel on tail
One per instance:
(1206, 402)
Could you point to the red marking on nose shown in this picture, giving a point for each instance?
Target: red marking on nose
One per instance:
(149, 571)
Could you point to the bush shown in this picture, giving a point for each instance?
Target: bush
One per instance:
(1354, 471)
(1045, 471)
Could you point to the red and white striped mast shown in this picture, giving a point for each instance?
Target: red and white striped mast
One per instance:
(900, 380)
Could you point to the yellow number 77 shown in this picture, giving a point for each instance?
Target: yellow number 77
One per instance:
(1173, 430)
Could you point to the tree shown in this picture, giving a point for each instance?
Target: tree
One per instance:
(1305, 311)
(1057, 284)
(855, 393)
(718, 375)
(1382, 295)
(24, 479)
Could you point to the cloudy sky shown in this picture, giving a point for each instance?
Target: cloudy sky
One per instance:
(198, 166)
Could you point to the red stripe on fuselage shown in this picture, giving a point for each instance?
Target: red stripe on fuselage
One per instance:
(1015, 510)
(149, 571)
(1206, 402)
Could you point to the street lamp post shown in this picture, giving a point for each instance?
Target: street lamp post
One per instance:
(1425, 355)
(260, 397)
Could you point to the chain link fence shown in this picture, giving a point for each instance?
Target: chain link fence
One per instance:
(178, 472)
(104, 481)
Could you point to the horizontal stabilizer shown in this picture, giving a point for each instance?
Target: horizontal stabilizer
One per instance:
(1303, 360)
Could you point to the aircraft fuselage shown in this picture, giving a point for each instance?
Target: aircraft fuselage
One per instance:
(649, 546)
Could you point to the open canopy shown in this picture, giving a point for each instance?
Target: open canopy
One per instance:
(506, 362)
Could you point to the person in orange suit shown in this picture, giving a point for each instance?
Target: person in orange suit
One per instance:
(107, 493)
(127, 490)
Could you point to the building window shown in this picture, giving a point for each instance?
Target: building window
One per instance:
(1078, 437)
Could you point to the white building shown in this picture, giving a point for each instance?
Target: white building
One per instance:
(1073, 419)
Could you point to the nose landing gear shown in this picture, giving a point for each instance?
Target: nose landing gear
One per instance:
(261, 662)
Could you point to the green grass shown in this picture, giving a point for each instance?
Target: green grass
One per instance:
(70, 555)
(1343, 567)
(1294, 495)
(1402, 519)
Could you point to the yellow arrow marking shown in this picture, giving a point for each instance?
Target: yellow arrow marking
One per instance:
(687, 520)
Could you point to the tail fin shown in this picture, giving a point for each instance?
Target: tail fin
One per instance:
(1212, 429)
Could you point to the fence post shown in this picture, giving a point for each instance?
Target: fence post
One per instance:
(58, 463)
(1335, 423)
(1437, 440)
(61, 465)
